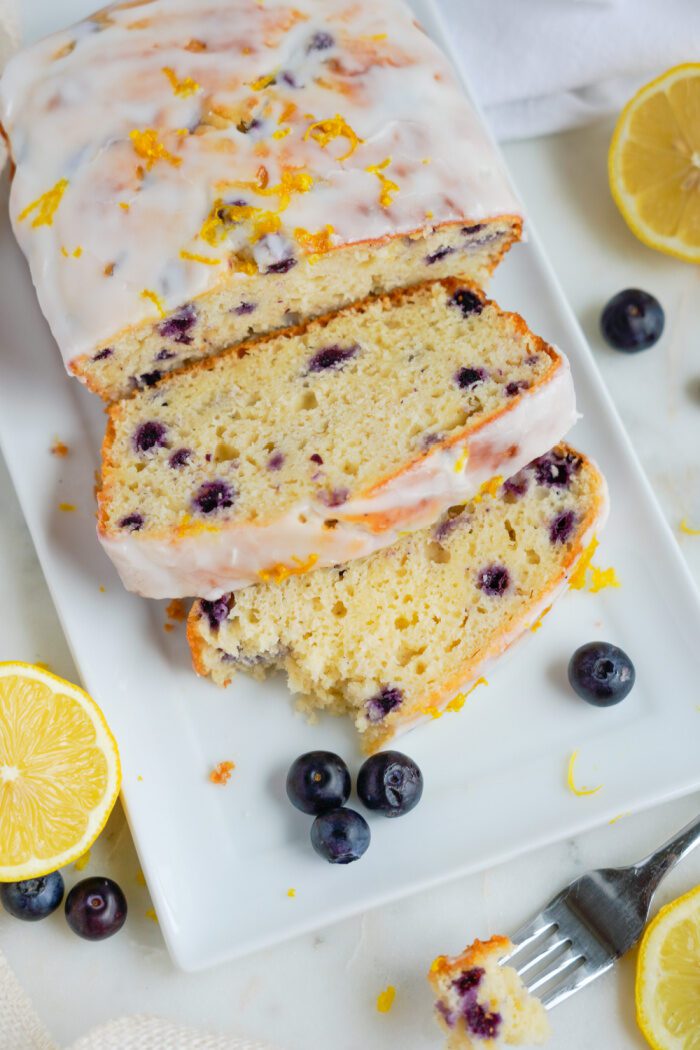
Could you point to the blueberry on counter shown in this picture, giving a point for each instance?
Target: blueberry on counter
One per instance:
(318, 781)
(601, 674)
(633, 320)
(96, 908)
(390, 783)
(33, 899)
(340, 835)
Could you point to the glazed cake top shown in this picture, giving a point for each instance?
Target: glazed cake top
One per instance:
(162, 143)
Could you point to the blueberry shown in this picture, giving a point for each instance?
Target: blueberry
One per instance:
(95, 908)
(391, 783)
(469, 230)
(601, 674)
(132, 522)
(164, 355)
(180, 457)
(467, 301)
(554, 470)
(177, 327)
(318, 781)
(437, 255)
(482, 1022)
(283, 266)
(633, 320)
(245, 308)
(275, 461)
(106, 351)
(331, 357)
(493, 580)
(216, 611)
(320, 41)
(468, 980)
(379, 706)
(149, 435)
(340, 835)
(511, 389)
(33, 899)
(213, 496)
(562, 526)
(516, 486)
(149, 378)
(466, 378)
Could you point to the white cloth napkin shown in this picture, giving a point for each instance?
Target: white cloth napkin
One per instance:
(539, 66)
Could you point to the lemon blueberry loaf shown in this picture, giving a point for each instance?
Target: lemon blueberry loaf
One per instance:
(483, 1004)
(389, 639)
(190, 173)
(320, 444)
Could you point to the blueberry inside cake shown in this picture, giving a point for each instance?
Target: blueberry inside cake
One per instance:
(481, 1004)
(321, 444)
(187, 174)
(391, 640)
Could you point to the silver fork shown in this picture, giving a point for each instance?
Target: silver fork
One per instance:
(585, 929)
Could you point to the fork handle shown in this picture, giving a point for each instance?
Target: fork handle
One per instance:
(652, 869)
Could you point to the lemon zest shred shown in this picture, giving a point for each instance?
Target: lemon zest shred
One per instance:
(538, 622)
(577, 581)
(140, 878)
(148, 146)
(438, 964)
(579, 791)
(602, 578)
(463, 460)
(124, 205)
(82, 862)
(315, 243)
(262, 82)
(67, 508)
(64, 251)
(685, 528)
(281, 133)
(287, 113)
(291, 892)
(45, 206)
(151, 914)
(181, 88)
(385, 999)
(154, 298)
(489, 488)
(325, 131)
(77, 252)
(458, 701)
(221, 773)
(388, 186)
(191, 257)
(242, 265)
(619, 816)
(278, 573)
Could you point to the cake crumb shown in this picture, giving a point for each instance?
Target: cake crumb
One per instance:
(140, 878)
(291, 892)
(176, 610)
(151, 914)
(385, 999)
(59, 449)
(221, 773)
(168, 627)
(579, 791)
(102, 588)
(139, 777)
(67, 507)
(82, 862)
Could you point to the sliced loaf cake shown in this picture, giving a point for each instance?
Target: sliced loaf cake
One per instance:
(389, 639)
(323, 443)
(483, 1003)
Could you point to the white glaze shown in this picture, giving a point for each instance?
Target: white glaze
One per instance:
(209, 564)
(70, 117)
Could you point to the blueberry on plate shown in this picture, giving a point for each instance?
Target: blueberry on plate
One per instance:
(340, 835)
(391, 783)
(601, 673)
(33, 899)
(318, 781)
(633, 320)
(96, 908)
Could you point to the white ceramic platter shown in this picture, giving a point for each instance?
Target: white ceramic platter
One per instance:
(219, 860)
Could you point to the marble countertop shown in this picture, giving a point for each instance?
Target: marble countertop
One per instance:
(319, 991)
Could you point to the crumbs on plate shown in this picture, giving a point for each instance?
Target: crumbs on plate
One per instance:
(385, 999)
(59, 449)
(221, 773)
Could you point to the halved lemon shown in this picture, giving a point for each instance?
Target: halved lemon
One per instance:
(654, 163)
(667, 991)
(59, 772)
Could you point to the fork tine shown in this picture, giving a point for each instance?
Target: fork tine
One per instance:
(577, 980)
(551, 949)
(527, 935)
(570, 963)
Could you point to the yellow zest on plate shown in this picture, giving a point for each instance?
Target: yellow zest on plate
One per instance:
(685, 528)
(654, 163)
(614, 820)
(154, 298)
(455, 704)
(59, 449)
(579, 791)
(325, 131)
(667, 987)
(538, 622)
(59, 772)
(151, 914)
(221, 773)
(148, 146)
(67, 508)
(602, 578)
(577, 580)
(278, 573)
(181, 88)
(291, 892)
(385, 999)
(45, 206)
(388, 187)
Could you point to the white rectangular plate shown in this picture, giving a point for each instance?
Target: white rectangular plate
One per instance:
(219, 860)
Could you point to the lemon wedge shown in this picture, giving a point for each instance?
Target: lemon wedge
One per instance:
(59, 772)
(654, 163)
(668, 976)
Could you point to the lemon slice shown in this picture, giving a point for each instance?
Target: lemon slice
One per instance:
(654, 163)
(668, 976)
(59, 772)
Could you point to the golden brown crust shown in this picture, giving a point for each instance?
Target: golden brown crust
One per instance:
(196, 642)
(476, 954)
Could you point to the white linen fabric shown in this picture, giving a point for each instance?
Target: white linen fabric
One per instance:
(538, 66)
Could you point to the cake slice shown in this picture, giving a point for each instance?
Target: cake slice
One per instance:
(323, 443)
(483, 1004)
(190, 172)
(389, 640)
